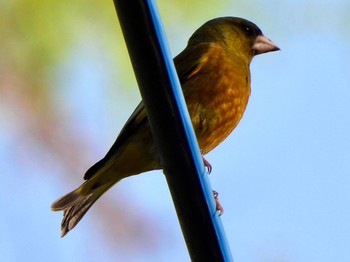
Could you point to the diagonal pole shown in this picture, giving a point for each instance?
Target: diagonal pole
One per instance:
(172, 130)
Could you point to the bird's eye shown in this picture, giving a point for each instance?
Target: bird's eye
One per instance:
(247, 29)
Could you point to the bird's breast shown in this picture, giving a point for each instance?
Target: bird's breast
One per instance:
(216, 103)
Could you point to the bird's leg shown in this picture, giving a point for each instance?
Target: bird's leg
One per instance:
(218, 205)
(216, 194)
(207, 164)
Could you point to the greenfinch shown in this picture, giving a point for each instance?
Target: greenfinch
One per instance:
(214, 74)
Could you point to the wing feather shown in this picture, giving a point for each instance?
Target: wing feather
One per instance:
(137, 118)
(188, 63)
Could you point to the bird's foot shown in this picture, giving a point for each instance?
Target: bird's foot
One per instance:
(207, 165)
(218, 205)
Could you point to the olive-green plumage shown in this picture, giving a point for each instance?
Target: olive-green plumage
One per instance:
(214, 74)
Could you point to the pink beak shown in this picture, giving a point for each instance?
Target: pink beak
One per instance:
(263, 45)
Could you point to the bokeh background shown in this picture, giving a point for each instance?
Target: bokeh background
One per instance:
(67, 88)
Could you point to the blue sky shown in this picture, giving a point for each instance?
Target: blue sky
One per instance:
(282, 175)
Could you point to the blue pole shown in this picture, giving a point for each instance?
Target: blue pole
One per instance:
(172, 130)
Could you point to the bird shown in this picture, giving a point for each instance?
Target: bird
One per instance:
(214, 74)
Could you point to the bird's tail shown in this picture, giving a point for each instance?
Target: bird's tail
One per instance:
(76, 203)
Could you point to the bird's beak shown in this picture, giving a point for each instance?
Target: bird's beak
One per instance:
(263, 45)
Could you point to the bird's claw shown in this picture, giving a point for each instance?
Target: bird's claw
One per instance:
(207, 165)
(218, 205)
(216, 194)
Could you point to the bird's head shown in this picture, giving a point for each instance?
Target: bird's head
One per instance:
(237, 35)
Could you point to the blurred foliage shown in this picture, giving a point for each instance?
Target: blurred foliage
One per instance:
(36, 35)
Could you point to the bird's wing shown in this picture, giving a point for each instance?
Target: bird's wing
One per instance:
(191, 60)
(187, 63)
(137, 118)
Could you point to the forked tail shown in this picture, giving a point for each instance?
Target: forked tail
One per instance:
(75, 204)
